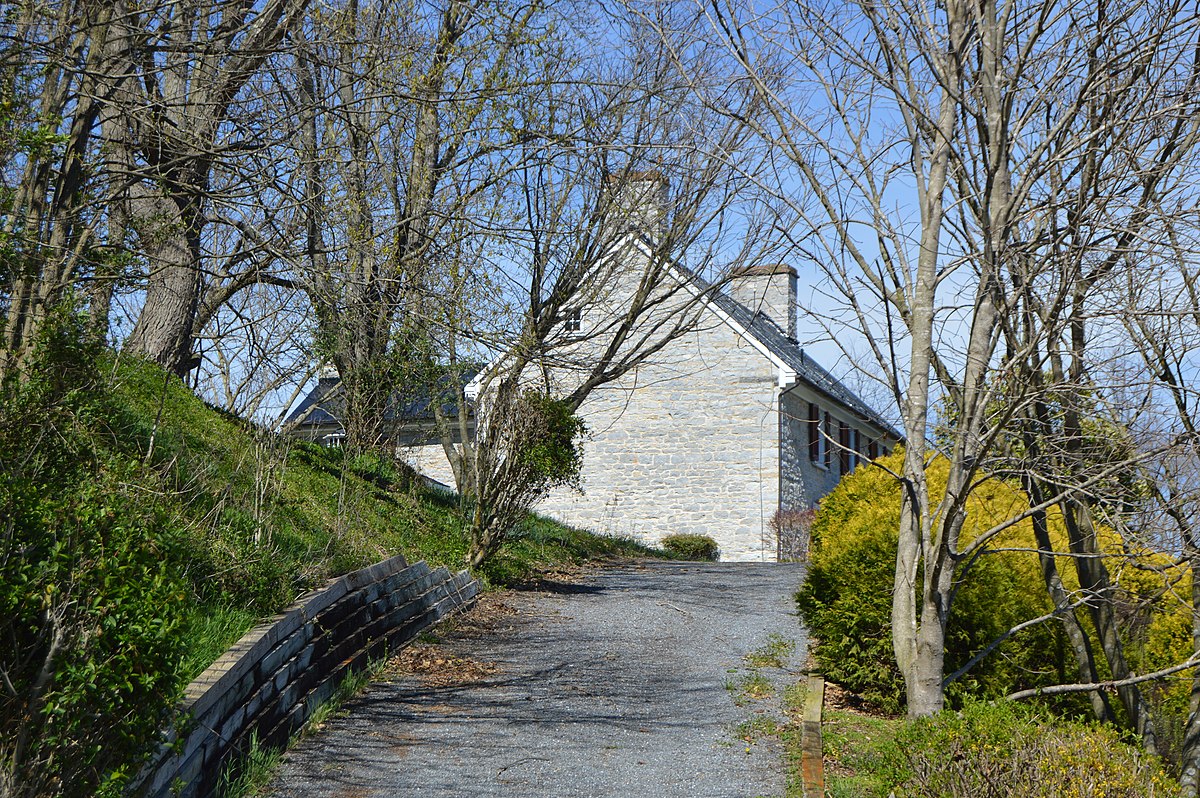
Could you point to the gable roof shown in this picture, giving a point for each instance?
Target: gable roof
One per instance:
(325, 404)
(312, 410)
(759, 328)
(776, 343)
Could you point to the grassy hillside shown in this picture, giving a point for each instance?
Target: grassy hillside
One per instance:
(267, 518)
(143, 532)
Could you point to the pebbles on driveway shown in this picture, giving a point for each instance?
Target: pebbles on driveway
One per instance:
(621, 684)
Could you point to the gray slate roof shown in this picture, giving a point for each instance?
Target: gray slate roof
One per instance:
(768, 333)
(325, 404)
(312, 410)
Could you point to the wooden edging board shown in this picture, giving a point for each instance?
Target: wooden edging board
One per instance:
(812, 765)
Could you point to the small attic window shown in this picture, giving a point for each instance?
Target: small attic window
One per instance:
(574, 322)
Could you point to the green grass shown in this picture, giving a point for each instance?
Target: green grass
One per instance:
(860, 750)
(759, 727)
(251, 774)
(267, 518)
(541, 546)
(864, 748)
(754, 686)
(773, 654)
(210, 633)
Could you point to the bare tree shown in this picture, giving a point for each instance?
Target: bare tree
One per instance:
(1162, 318)
(927, 145)
(406, 124)
(630, 198)
(178, 82)
(257, 353)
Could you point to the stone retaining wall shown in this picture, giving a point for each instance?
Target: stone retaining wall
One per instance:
(269, 683)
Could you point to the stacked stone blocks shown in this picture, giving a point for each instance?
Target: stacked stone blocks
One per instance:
(269, 683)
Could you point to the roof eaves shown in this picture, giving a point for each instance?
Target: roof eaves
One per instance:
(793, 363)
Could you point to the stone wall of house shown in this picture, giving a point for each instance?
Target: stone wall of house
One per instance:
(430, 460)
(805, 481)
(690, 441)
(687, 444)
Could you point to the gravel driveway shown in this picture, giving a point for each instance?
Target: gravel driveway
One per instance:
(628, 683)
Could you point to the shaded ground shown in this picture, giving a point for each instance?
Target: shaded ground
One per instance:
(628, 683)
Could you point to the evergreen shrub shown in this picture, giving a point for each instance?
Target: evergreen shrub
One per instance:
(691, 547)
(997, 750)
(846, 600)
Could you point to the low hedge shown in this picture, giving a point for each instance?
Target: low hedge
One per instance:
(691, 547)
(999, 750)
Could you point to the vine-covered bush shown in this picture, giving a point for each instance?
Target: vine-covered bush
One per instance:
(792, 529)
(691, 547)
(550, 448)
(846, 600)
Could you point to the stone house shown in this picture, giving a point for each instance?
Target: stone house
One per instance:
(728, 425)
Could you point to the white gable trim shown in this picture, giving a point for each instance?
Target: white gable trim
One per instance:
(787, 376)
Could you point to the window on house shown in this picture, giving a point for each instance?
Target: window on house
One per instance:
(827, 437)
(814, 432)
(873, 449)
(845, 462)
(574, 322)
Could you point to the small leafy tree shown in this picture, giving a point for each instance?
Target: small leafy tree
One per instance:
(528, 443)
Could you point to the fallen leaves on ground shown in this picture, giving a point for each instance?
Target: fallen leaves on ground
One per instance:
(436, 667)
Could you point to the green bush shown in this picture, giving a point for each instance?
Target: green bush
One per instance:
(551, 450)
(92, 591)
(691, 547)
(846, 599)
(1001, 750)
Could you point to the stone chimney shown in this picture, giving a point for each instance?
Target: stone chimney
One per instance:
(769, 289)
(639, 199)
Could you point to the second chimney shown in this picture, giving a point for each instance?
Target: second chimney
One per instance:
(640, 200)
(769, 289)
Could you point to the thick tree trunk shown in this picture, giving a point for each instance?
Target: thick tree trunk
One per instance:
(926, 694)
(168, 228)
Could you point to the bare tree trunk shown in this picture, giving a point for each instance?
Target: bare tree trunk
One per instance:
(919, 637)
(1095, 584)
(1189, 778)
(1081, 648)
(176, 109)
(168, 228)
(45, 220)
